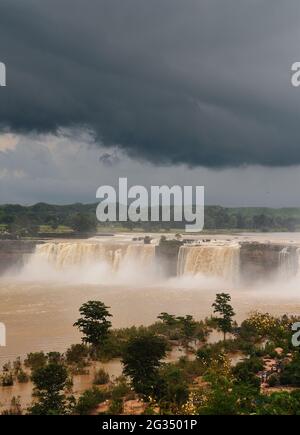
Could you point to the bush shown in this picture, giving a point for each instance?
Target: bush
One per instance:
(17, 365)
(246, 371)
(77, 354)
(110, 348)
(7, 380)
(273, 380)
(35, 360)
(55, 357)
(290, 374)
(22, 377)
(101, 377)
(116, 407)
(89, 400)
(120, 390)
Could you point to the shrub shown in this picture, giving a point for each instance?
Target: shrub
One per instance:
(7, 380)
(273, 380)
(89, 400)
(101, 377)
(116, 407)
(22, 377)
(35, 360)
(121, 389)
(77, 354)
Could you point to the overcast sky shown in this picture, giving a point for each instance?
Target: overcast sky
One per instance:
(162, 91)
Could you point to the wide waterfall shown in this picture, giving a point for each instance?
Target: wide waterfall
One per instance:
(210, 260)
(69, 254)
(133, 261)
(288, 263)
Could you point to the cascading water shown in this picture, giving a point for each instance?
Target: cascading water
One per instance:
(210, 260)
(63, 255)
(288, 263)
(92, 262)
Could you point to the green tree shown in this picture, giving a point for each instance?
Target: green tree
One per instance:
(49, 382)
(94, 323)
(82, 223)
(172, 390)
(290, 374)
(141, 360)
(77, 354)
(245, 371)
(280, 403)
(227, 398)
(188, 326)
(89, 400)
(222, 306)
(168, 319)
(35, 360)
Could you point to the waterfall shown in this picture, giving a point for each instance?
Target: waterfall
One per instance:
(141, 254)
(68, 254)
(288, 262)
(210, 260)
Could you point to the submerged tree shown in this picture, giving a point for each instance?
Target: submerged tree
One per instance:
(188, 326)
(222, 306)
(50, 381)
(94, 323)
(141, 360)
(168, 319)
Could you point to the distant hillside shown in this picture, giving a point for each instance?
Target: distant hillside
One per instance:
(79, 217)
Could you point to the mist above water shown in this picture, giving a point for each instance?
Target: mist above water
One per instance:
(40, 301)
(91, 263)
(213, 266)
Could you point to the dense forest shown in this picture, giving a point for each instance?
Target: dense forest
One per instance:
(44, 218)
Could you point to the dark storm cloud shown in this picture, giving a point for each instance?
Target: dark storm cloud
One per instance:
(202, 82)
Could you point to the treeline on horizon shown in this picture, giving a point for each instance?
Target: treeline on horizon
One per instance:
(44, 218)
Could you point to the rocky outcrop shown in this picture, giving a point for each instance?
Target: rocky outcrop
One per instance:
(13, 252)
(264, 261)
(166, 254)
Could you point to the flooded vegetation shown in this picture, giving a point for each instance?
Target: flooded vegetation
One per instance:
(41, 295)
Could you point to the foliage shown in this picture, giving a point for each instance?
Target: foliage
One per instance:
(26, 220)
(94, 323)
(7, 379)
(89, 400)
(222, 306)
(22, 377)
(245, 371)
(281, 403)
(49, 382)
(120, 389)
(101, 377)
(290, 374)
(35, 360)
(172, 389)
(83, 223)
(188, 326)
(77, 354)
(141, 360)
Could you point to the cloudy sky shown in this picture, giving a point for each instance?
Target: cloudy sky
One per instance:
(162, 91)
